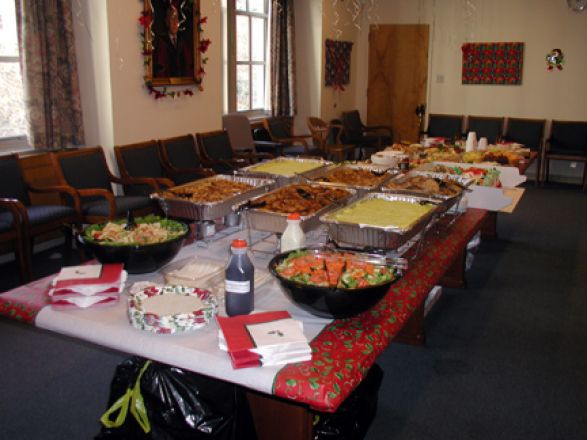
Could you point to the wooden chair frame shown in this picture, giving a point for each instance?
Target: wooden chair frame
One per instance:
(174, 171)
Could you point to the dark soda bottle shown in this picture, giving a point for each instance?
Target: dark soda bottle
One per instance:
(239, 284)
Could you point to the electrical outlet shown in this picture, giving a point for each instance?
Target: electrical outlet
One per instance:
(573, 165)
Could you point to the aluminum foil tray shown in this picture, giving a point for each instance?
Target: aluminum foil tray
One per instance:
(212, 210)
(281, 180)
(378, 237)
(276, 222)
(361, 189)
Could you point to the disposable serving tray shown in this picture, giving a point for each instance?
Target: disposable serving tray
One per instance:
(283, 180)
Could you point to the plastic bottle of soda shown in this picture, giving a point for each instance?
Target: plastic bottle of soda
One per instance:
(239, 283)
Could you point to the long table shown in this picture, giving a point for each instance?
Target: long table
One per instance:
(282, 399)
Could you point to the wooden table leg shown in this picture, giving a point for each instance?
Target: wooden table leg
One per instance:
(489, 227)
(413, 332)
(455, 274)
(277, 419)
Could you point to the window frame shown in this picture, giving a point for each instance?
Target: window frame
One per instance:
(232, 14)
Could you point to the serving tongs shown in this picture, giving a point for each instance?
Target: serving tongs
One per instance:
(443, 184)
(249, 204)
(367, 256)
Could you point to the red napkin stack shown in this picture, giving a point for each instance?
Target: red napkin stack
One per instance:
(266, 338)
(87, 286)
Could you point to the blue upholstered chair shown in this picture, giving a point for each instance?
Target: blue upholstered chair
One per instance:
(216, 150)
(280, 130)
(182, 160)
(567, 141)
(24, 221)
(530, 133)
(366, 138)
(446, 126)
(86, 171)
(486, 126)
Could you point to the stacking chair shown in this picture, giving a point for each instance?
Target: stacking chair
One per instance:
(21, 221)
(567, 141)
(446, 126)
(243, 145)
(280, 130)
(141, 160)
(486, 126)
(366, 138)
(528, 132)
(328, 138)
(182, 159)
(215, 148)
(86, 171)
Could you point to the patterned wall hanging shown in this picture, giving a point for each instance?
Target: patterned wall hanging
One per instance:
(338, 63)
(493, 63)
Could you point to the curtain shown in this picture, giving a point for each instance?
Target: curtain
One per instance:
(283, 64)
(49, 71)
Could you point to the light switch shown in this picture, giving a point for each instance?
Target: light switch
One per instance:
(440, 79)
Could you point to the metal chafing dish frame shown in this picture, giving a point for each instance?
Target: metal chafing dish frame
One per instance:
(281, 180)
(379, 237)
(276, 222)
(209, 211)
(361, 189)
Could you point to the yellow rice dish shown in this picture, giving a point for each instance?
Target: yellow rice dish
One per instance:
(381, 212)
(286, 167)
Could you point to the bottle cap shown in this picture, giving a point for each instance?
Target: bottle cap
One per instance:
(293, 216)
(239, 243)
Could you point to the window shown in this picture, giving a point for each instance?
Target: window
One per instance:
(12, 113)
(248, 67)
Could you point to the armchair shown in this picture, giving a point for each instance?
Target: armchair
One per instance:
(182, 160)
(446, 126)
(215, 148)
(243, 145)
(86, 171)
(28, 221)
(486, 126)
(530, 133)
(279, 129)
(366, 138)
(141, 160)
(328, 138)
(567, 141)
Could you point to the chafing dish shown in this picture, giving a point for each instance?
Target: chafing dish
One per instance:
(204, 211)
(384, 172)
(283, 179)
(389, 237)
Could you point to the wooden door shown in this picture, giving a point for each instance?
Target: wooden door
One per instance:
(398, 75)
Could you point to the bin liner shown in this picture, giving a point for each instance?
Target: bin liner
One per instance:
(352, 419)
(154, 401)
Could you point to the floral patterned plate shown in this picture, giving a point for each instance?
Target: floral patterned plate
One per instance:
(171, 309)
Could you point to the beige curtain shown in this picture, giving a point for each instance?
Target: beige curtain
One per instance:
(49, 71)
(283, 63)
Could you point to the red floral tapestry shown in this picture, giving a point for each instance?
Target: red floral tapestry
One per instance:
(493, 63)
(338, 63)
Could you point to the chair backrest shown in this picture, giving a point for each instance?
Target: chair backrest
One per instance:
(83, 168)
(529, 132)
(486, 126)
(447, 126)
(139, 160)
(323, 134)
(215, 145)
(352, 127)
(181, 151)
(12, 184)
(239, 131)
(569, 137)
(279, 127)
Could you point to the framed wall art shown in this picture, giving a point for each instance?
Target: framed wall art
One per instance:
(493, 63)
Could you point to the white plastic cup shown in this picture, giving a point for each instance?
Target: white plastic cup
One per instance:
(471, 144)
(482, 146)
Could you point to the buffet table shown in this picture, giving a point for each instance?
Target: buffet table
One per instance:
(281, 397)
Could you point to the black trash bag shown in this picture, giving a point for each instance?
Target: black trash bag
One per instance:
(173, 404)
(352, 419)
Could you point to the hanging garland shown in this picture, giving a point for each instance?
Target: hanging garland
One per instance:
(160, 92)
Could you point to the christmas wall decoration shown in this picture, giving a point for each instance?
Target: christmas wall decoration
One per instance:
(338, 63)
(555, 59)
(493, 63)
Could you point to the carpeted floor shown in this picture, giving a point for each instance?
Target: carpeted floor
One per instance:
(505, 358)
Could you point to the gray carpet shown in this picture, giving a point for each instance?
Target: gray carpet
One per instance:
(505, 358)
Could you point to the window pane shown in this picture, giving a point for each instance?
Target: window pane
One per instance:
(243, 88)
(241, 5)
(257, 6)
(258, 39)
(242, 38)
(12, 117)
(8, 37)
(258, 84)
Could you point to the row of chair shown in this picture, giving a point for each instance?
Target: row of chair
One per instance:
(566, 140)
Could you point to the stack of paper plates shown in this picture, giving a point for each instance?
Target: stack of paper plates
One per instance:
(171, 309)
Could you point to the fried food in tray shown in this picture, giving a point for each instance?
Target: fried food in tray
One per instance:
(301, 198)
(207, 191)
(426, 185)
(353, 176)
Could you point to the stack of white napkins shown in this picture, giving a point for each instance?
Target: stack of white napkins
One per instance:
(86, 286)
(265, 338)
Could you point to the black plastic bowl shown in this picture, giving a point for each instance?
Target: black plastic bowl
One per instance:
(330, 302)
(137, 258)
